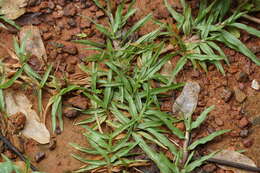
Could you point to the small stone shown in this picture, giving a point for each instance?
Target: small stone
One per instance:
(70, 68)
(70, 10)
(93, 8)
(235, 133)
(219, 122)
(166, 106)
(195, 73)
(58, 14)
(209, 168)
(241, 86)
(232, 52)
(85, 23)
(35, 63)
(84, 4)
(87, 4)
(18, 120)
(202, 103)
(248, 143)
(255, 48)
(52, 144)
(242, 77)
(243, 122)
(58, 130)
(211, 130)
(72, 50)
(255, 85)
(244, 133)
(99, 14)
(32, 3)
(226, 94)
(79, 102)
(51, 5)
(161, 13)
(47, 36)
(72, 22)
(61, 2)
(69, 112)
(39, 156)
(239, 95)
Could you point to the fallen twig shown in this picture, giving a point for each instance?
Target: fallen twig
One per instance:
(251, 18)
(234, 165)
(16, 151)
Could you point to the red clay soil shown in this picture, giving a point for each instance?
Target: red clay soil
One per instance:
(60, 21)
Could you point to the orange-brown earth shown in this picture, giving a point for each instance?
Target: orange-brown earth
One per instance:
(60, 21)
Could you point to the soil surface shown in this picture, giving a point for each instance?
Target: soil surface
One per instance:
(237, 104)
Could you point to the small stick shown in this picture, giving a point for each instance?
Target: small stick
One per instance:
(234, 165)
(16, 151)
(251, 18)
(185, 147)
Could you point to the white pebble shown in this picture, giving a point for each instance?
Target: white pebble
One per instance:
(255, 85)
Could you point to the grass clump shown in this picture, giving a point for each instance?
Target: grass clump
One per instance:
(125, 91)
(213, 24)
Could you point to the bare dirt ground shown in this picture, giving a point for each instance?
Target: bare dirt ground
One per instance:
(60, 21)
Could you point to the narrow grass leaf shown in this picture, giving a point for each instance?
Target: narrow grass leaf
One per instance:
(169, 164)
(122, 128)
(92, 162)
(198, 162)
(10, 22)
(151, 154)
(205, 57)
(83, 149)
(2, 100)
(151, 138)
(201, 118)
(164, 118)
(179, 66)
(46, 76)
(164, 140)
(139, 24)
(207, 139)
(39, 97)
(123, 152)
(177, 16)
(219, 67)
(31, 73)
(234, 43)
(118, 114)
(118, 18)
(90, 43)
(59, 113)
(54, 110)
(132, 106)
(13, 79)
(248, 29)
(108, 90)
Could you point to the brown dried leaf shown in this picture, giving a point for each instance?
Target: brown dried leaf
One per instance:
(12, 9)
(34, 43)
(186, 103)
(234, 156)
(18, 102)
